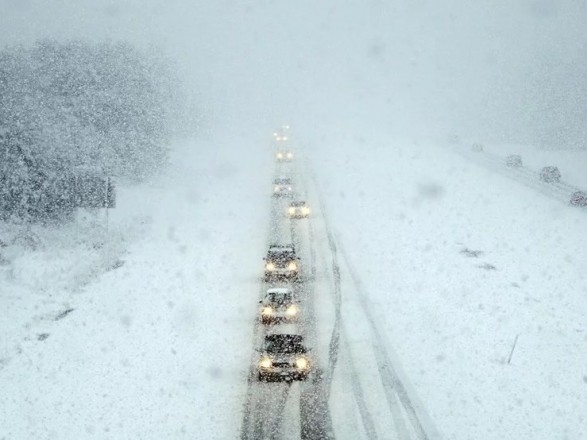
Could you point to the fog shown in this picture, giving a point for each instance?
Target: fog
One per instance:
(489, 70)
(438, 290)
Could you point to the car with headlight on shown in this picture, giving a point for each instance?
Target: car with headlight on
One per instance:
(550, 174)
(298, 209)
(579, 198)
(284, 156)
(281, 262)
(280, 135)
(279, 305)
(283, 358)
(282, 187)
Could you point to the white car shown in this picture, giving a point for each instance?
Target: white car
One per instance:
(282, 187)
(279, 305)
(284, 156)
(298, 209)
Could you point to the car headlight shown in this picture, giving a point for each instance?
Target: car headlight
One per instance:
(292, 266)
(289, 155)
(292, 310)
(289, 188)
(267, 311)
(270, 266)
(279, 156)
(306, 210)
(276, 189)
(266, 362)
(292, 210)
(301, 363)
(284, 138)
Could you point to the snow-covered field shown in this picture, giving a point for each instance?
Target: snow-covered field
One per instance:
(458, 263)
(159, 347)
(571, 163)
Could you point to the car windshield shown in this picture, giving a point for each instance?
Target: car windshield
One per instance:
(287, 344)
(282, 181)
(297, 204)
(279, 297)
(280, 255)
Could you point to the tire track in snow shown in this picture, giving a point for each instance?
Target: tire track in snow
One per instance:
(394, 388)
(314, 409)
(557, 190)
(358, 394)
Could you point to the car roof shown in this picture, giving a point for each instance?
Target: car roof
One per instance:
(279, 290)
(279, 297)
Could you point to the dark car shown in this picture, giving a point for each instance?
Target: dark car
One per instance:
(514, 160)
(550, 174)
(279, 305)
(579, 198)
(281, 262)
(283, 358)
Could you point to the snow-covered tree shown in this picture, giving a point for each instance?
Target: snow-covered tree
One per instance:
(66, 107)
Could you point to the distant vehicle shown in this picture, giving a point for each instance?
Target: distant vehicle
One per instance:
(454, 139)
(514, 161)
(477, 147)
(281, 262)
(550, 174)
(284, 156)
(279, 305)
(280, 135)
(579, 198)
(282, 187)
(298, 209)
(283, 358)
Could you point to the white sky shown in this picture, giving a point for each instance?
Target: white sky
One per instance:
(510, 70)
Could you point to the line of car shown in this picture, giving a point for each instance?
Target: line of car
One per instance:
(548, 174)
(283, 355)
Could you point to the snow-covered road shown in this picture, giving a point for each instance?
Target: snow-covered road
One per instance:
(451, 262)
(458, 261)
